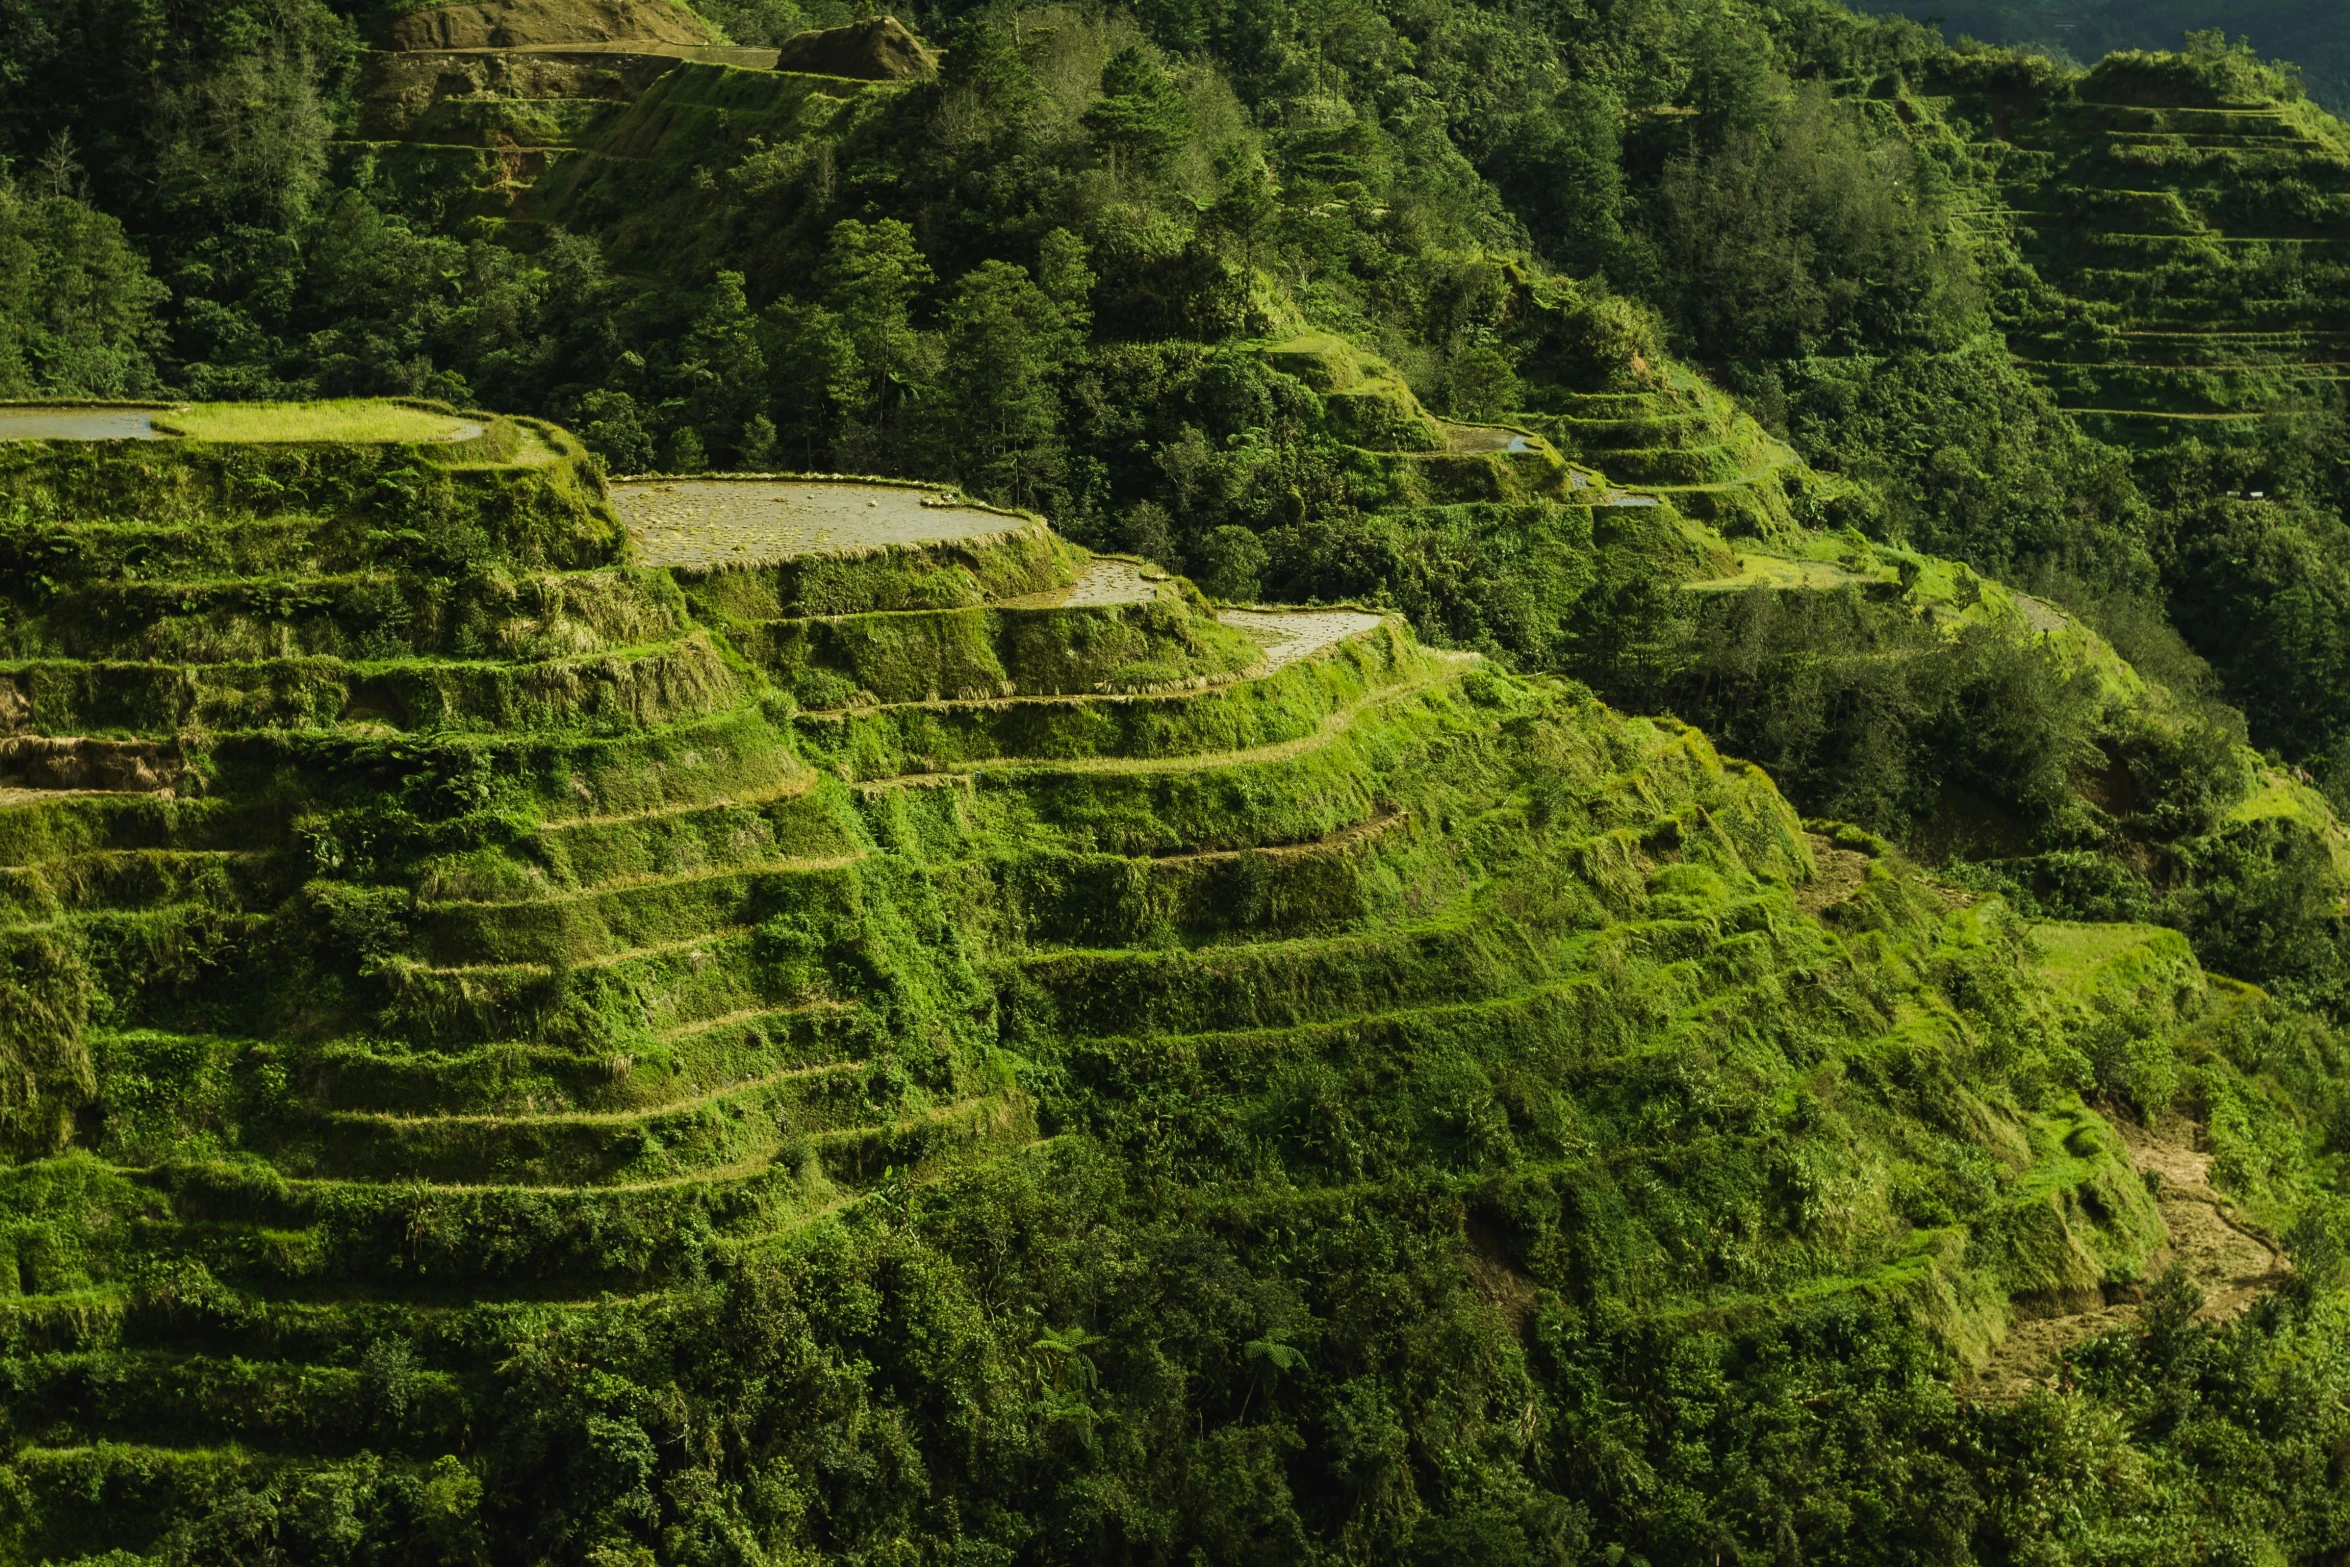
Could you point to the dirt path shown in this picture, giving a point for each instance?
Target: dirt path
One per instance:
(2229, 1263)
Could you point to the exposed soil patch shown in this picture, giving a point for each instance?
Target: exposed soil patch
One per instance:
(1838, 876)
(1497, 1276)
(878, 49)
(2227, 1261)
(748, 522)
(2043, 618)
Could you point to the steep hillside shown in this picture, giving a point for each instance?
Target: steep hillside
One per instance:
(1586, 903)
(523, 1051)
(2191, 228)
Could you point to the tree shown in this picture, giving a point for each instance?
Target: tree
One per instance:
(999, 414)
(1246, 205)
(1231, 566)
(871, 276)
(1141, 118)
(1562, 169)
(1063, 273)
(721, 370)
(77, 307)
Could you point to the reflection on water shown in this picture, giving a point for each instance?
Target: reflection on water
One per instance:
(77, 424)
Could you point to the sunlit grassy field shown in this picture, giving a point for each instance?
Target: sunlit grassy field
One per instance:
(350, 419)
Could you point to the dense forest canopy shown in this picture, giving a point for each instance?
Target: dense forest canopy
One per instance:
(1603, 1175)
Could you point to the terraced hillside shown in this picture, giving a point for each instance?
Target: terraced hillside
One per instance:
(463, 974)
(467, 110)
(2195, 237)
(464, 108)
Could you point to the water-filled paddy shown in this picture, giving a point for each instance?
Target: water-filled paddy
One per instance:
(1099, 582)
(1292, 634)
(78, 424)
(725, 522)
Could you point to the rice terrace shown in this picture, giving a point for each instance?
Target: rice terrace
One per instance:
(1026, 784)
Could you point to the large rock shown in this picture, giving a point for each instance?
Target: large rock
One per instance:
(539, 24)
(878, 49)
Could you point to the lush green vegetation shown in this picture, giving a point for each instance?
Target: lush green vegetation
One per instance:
(492, 1074)
(512, 1054)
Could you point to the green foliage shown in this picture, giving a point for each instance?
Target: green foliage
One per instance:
(1140, 119)
(2276, 30)
(1006, 342)
(77, 318)
(1061, 1096)
(814, 1061)
(1873, 718)
(1790, 221)
(870, 277)
(1232, 564)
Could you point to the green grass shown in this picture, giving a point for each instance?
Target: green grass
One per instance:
(352, 420)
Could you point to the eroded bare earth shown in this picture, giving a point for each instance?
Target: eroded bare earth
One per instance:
(2229, 1264)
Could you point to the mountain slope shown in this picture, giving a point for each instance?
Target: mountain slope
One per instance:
(547, 980)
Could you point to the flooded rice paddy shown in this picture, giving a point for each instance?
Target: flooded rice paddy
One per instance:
(733, 522)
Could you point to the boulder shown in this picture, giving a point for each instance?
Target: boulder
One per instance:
(878, 49)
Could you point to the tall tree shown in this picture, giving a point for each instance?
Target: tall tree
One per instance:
(77, 307)
(1141, 119)
(871, 276)
(1006, 341)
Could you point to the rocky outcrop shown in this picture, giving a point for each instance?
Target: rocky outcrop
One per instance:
(878, 49)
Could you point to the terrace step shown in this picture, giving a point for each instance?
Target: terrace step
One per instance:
(267, 1093)
(685, 678)
(1333, 725)
(600, 923)
(715, 1130)
(130, 880)
(85, 1398)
